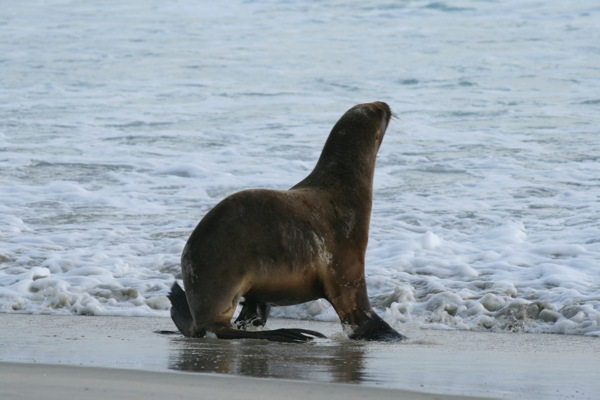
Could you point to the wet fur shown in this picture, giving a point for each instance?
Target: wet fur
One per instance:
(277, 248)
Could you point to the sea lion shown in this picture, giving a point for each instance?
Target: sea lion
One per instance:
(276, 248)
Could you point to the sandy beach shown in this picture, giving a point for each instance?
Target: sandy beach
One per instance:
(123, 123)
(57, 357)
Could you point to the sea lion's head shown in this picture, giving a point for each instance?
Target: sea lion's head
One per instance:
(374, 116)
(359, 132)
(348, 157)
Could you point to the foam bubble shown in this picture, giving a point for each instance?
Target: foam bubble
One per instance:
(430, 241)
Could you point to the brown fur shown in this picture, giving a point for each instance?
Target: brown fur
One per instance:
(277, 248)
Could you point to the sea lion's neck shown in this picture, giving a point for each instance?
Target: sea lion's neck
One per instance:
(343, 168)
(340, 175)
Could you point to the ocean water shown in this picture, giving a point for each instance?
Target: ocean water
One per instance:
(122, 123)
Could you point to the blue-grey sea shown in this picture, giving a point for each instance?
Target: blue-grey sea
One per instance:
(122, 123)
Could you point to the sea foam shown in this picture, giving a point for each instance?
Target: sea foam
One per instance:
(123, 124)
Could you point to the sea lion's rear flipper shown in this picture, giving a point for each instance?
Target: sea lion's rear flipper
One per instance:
(182, 317)
(180, 310)
(277, 335)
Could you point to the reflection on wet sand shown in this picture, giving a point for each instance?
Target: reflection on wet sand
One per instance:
(340, 362)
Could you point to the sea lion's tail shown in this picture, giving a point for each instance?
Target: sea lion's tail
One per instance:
(180, 310)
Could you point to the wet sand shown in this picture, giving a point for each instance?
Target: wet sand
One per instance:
(43, 356)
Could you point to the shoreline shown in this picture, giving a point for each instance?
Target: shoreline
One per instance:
(33, 381)
(431, 364)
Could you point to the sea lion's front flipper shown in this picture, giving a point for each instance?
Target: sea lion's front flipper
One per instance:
(376, 329)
